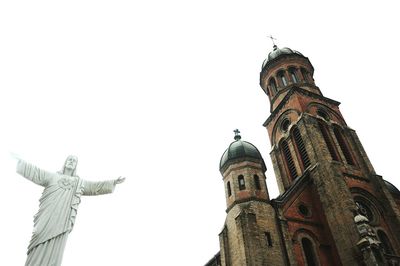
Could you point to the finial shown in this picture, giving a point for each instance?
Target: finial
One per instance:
(237, 136)
(272, 39)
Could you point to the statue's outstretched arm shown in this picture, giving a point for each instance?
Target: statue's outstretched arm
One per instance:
(33, 173)
(93, 188)
(119, 180)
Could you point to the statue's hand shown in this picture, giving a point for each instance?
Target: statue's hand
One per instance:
(119, 180)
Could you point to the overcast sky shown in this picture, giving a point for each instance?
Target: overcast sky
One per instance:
(152, 90)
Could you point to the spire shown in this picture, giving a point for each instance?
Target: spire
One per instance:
(237, 136)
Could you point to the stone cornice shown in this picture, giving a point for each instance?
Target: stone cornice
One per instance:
(236, 202)
(274, 61)
(292, 91)
(289, 87)
(234, 164)
(356, 177)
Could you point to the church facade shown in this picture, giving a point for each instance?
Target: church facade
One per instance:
(333, 208)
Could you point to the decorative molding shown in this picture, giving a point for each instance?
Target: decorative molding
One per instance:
(293, 89)
(232, 165)
(236, 202)
(356, 177)
(272, 62)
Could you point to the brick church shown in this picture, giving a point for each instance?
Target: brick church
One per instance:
(333, 209)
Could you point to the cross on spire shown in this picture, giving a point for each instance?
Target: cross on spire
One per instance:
(237, 136)
(272, 39)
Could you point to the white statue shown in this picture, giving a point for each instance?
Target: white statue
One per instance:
(58, 207)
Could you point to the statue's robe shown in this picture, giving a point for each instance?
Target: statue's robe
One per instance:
(57, 211)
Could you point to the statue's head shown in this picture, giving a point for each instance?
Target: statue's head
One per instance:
(70, 163)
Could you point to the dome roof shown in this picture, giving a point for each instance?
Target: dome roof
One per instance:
(240, 151)
(277, 52)
(392, 189)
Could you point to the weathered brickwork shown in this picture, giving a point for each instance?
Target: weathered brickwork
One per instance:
(247, 225)
(325, 180)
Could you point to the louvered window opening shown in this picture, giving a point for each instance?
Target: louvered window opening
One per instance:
(301, 148)
(343, 146)
(328, 141)
(289, 160)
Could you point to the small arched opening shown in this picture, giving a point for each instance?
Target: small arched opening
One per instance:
(282, 78)
(293, 75)
(309, 252)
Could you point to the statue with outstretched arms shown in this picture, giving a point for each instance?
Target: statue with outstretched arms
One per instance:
(58, 208)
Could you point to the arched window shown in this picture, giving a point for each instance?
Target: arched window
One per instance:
(322, 113)
(288, 159)
(282, 78)
(228, 187)
(387, 247)
(272, 85)
(309, 253)
(293, 75)
(328, 141)
(268, 238)
(242, 185)
(343, 145)
(257, 182)
(301, 148)
(305, 75)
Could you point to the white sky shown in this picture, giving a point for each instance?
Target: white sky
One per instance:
(152, 90)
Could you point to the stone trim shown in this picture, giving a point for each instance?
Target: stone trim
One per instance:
(272, 62)
(292, 90)
(233, 165)
(236, 202)
(356, 177)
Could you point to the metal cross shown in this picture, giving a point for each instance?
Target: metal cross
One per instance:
(236, 132)
(272, 39)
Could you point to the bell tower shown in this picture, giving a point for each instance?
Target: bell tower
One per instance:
(333, 209)
(321, 168)
(278, 78)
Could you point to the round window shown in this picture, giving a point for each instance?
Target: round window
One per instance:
(304, 210)
(285, 125)
(365, 210)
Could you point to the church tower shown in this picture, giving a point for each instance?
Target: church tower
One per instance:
(333, 209)
(250, 235)
(323, 173)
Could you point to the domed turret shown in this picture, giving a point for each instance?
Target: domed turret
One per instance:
(240, 151)
(283, 71)
(243, 171)
(276, 52)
